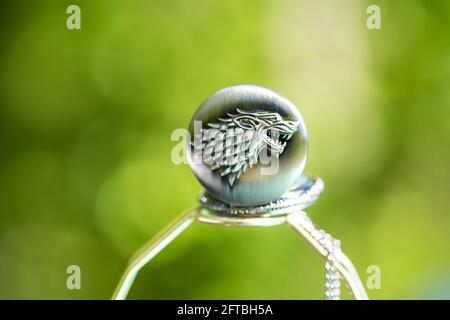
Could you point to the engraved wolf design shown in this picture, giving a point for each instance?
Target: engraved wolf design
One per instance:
(235, 143)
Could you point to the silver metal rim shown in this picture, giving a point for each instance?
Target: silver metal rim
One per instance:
(301, 196)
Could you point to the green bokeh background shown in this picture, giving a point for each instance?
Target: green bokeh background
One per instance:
(86, 118)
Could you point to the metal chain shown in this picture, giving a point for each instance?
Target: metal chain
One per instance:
(331, 246)
(332, 281)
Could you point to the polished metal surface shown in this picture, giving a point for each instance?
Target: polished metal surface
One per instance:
(230, 134)
(248, 145)
(303, 194)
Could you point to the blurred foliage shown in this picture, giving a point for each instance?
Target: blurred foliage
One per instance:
(86, 118)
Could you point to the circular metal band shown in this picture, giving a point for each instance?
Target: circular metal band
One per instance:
(304, 193)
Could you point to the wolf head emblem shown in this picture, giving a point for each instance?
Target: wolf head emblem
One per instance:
(235, 142)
